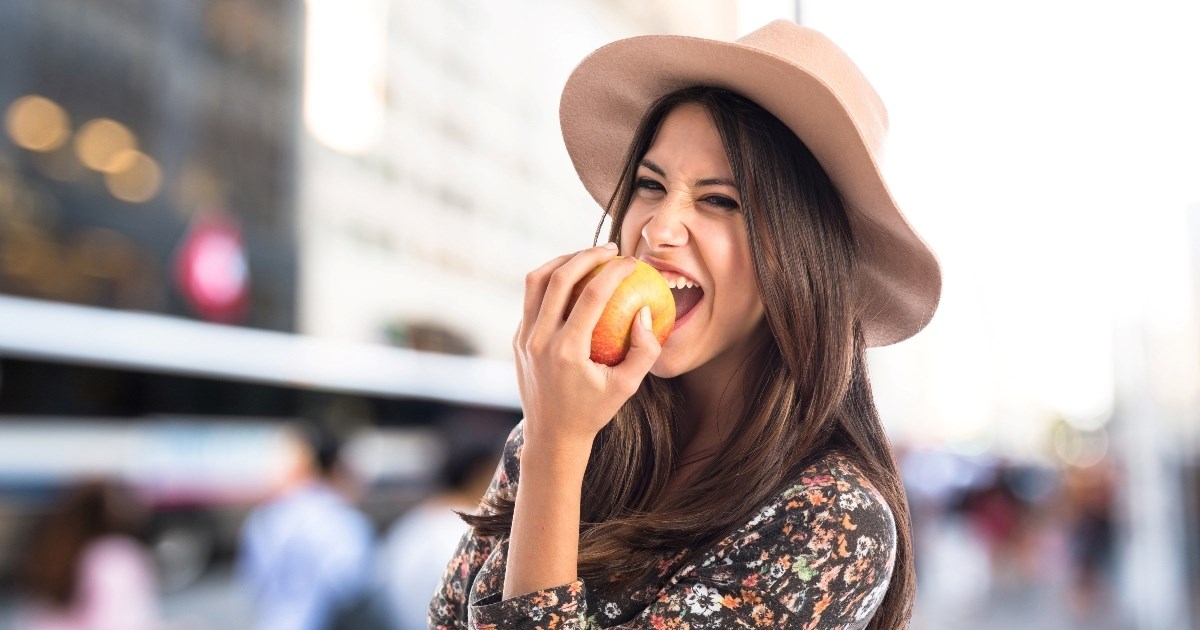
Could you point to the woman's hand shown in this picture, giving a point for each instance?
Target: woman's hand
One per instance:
(567, 398)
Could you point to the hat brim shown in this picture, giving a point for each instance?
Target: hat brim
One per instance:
(899, 280)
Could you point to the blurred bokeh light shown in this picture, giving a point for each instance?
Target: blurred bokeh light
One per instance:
(37, 123)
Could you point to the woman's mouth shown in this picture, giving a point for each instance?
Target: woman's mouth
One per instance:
(687, 295)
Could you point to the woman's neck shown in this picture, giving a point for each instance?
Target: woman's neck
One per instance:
(711, 404)
(714, 395)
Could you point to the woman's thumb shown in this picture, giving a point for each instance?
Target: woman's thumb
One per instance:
(643, 346)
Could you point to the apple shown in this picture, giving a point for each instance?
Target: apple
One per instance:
(644, 287)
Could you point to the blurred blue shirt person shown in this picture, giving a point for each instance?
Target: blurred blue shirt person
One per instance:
(306, 554)
(417, 546)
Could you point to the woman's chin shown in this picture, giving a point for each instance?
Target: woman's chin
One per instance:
(667, 365)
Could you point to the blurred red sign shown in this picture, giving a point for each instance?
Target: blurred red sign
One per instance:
(211, 269)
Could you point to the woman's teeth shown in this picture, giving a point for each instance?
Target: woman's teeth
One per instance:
(681, 283)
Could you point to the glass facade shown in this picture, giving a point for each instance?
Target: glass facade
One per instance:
(129, 127)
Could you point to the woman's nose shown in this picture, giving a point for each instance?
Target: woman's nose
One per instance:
(666, 228)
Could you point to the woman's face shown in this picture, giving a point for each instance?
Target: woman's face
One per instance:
(685, 219)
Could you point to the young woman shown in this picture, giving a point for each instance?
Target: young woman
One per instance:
(738, 475)
(84, 567)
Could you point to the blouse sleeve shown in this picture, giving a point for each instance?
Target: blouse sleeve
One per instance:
(448, 608)
(818, 558)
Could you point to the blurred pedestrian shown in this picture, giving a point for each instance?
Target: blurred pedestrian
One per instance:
(997, 517)
(305, 555)
(85, 568)
(418, 543)
(1089, 495)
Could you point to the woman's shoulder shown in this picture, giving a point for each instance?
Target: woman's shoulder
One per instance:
(827, 540)
(831, 509)
(835, 488)
(836, 478)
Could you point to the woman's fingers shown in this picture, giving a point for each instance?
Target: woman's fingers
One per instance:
(586, 312)
(541, 280)
(535, 291)
(563, 280)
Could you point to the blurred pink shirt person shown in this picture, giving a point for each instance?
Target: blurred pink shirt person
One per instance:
(115, 591)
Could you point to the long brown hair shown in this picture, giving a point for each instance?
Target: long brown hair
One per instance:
(805, 386)
(87, 511)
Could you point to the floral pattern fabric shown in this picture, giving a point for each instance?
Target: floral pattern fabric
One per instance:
(818, 556)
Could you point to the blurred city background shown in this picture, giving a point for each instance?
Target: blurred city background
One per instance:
(237, 234)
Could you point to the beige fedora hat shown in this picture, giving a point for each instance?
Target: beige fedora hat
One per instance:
(806, 81)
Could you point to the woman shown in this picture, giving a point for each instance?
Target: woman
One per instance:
(85, 570)
(737, 476)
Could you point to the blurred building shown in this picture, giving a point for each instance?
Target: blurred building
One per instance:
(371, 171)
(147, 179)
(147, 164)
(216, 216)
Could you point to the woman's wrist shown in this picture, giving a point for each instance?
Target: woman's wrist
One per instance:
(557, 448)
(565, 463)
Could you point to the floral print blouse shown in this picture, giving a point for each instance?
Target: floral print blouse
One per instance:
(817, 556)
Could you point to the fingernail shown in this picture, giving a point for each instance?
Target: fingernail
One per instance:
(610, 245)
(644, 317)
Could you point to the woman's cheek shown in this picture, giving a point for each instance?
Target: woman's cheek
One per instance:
(630, 235)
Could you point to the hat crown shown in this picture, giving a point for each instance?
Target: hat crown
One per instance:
(816, 54)
(777, 35)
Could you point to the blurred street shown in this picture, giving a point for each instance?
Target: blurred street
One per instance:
(261, 263)
(211, 603)
(216, 603)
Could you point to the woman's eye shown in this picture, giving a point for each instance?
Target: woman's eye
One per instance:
(646, 183)
(722, 202)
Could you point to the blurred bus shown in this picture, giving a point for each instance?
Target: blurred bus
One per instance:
(194, 418)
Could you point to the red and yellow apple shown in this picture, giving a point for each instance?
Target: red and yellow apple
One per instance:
(644, 287)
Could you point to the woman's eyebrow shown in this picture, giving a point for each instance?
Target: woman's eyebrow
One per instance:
(708, 181)
(716, 181)
(654, 167)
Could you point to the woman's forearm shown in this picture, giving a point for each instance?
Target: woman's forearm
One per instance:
(543, 549)
(567, 399)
